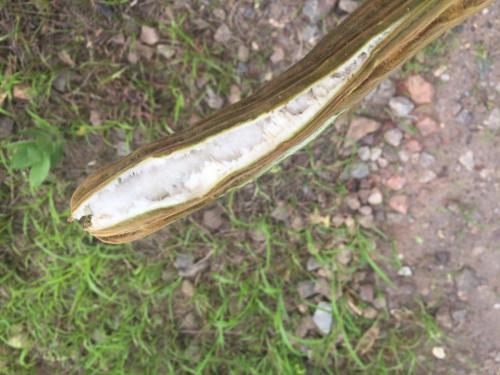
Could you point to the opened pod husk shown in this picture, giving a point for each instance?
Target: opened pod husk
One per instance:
(172, 177)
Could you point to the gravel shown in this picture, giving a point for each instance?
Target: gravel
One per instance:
(322, 318)
(467, 160)
(393, 137)
(364, 153)
(401, 106)
(360, 171)
(493, 120)
(427, 160)
(405, 271)
(306, 289)
(375, 198)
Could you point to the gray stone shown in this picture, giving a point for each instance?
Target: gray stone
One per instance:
(375, 153)
(466, 279)
(122, 148)
(459, 315)
(165, 51)
(223, 34)
(309, 33)
(322, 318)
(348, 6)
(427, 176)
(311, 10)
(366, 293)
(393, 137)
(364, 153)
(214, 101)
(384, 92)
(353, 202)
(493, 120)
(405, 271)
(344, 257)
(427, 160)
(442, 257)
(366, 211)
(443, 317)
(360, 171)
(183, 261)
(212, 219)
(401, 106)
(243, 53)
(366, 222)
(375, 197)
(312, 264)
(467, 160)
(306, 289)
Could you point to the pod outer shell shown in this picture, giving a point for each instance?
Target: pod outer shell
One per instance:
(425, 21)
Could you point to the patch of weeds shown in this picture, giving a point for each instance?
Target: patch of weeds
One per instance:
(41, 152)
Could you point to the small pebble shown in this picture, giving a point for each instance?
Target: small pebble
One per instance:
(427, 176)
(223, 34)
(396, 182)
(366, 211)
(405, 271)
(376, 198)
(187, 288)
(243, 53)
(493, 120)
(344, 257)
(322, 318)
(353, 202)
(427, 160)
(383, 163)
(420, 90)
(393, 137)
(149, 35)
(361, 127)
(366, 222)
(427, 126)
(364, 153)
(375, 153)
(348, 6)
(467, 160)
(359, 171)
(401, 106)
(399, 203)
(312, 264)
(306, 289)
(439, 352)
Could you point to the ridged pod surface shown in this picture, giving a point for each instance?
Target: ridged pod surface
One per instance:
(174, 176)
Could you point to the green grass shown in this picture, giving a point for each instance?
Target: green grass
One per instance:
(70, 304)
(77, 303)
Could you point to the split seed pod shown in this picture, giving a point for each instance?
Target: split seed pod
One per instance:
(174, 176)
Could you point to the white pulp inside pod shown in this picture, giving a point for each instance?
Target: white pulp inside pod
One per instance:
(192, 172)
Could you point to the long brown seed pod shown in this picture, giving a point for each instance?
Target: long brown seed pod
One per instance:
(174, 176)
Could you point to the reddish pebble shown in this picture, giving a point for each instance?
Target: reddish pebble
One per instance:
(421, 91)
(360, 127)
(399, 203)
(427, 126)
(396, 182)
(413, 146)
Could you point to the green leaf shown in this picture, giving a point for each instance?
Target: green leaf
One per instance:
(24, 154)
(20, 159)
(40, 171)
(56, 153)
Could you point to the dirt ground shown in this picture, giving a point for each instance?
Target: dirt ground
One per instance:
(451, 238)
